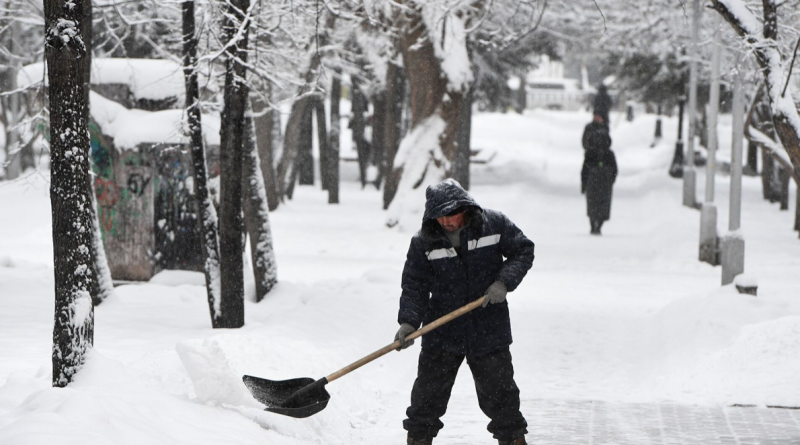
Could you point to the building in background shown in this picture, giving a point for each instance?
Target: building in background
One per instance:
(547, 87)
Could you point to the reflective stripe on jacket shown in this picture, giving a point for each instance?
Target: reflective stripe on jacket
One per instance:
(439, 278)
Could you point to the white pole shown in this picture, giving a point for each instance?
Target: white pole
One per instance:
(733, 243)
(708, 251)
(735, 220)
(689, 174)
(713, 111)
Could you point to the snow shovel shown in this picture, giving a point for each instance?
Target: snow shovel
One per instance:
(305, 397)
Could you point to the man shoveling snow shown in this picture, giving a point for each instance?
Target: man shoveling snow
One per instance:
(457, 257)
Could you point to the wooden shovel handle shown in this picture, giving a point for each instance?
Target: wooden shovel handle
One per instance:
(416, 334)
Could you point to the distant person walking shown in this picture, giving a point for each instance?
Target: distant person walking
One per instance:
(598, 173)
(597, 124)
(602, 103)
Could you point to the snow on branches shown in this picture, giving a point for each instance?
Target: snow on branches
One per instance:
(761, 36)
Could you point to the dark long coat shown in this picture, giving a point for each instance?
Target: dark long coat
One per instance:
(595, 135)
(598, 173)
(438, 278)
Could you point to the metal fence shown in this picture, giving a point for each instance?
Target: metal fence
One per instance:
(556, 99)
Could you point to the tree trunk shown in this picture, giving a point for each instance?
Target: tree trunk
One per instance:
(395, 101)
(11, 114)
(767, 167)
(797, 207)
(305, 155)
(379, 135)
(104, 281)
(231, 162)
(70, 196)
(358, 125)
(207, 212)
(322, 140)
(335, 135)
(291, 141)
(463, 134)
(256, 215)
(267, 121)
(291, 183)
(752, 158)
(786, 178)
(276, 141)
(427, 154)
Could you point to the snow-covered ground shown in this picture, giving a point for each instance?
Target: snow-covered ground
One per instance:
(631, 316)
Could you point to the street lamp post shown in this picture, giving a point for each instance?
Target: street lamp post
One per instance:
(689, 173)
(676, 169)
(733, 243)
(709, 243)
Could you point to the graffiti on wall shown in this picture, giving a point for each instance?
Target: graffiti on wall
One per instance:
(105, 187)
(120, 191)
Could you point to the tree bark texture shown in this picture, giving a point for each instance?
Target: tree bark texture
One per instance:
(206, 210)
(291, 141)
(785, 177)
(428, 89)
(322, 140)
(358, 126)
(305, 155)
(256, 215)
(378, 135)
(752, 157)
(463, 137)
(266, 122)
(335, 135)
(393, 126)
(765, 49)
(769, 191)
(231, 224)
(797, 208)
(71, 202)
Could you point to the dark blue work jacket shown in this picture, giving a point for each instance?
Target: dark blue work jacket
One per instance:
(439, 278)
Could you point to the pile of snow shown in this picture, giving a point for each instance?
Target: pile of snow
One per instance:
(154, 79)
(727, 348)
(130, 128)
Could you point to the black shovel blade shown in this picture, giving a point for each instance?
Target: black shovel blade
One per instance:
(275, 393)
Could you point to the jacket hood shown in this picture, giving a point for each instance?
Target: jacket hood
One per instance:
(444, 197)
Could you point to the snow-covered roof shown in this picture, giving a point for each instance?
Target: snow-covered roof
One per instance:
(560, 83)
(130, 128)
(154, 79)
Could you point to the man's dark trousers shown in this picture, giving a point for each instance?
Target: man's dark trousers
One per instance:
(498, 395)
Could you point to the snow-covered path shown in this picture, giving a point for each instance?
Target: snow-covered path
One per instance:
(614, 327)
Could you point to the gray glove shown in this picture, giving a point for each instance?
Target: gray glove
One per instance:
(495, 294)
(404, 330)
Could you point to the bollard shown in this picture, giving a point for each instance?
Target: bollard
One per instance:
(732, 257)
(746, 285)
(709, 248)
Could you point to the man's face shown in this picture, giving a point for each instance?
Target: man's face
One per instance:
(451, 222)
